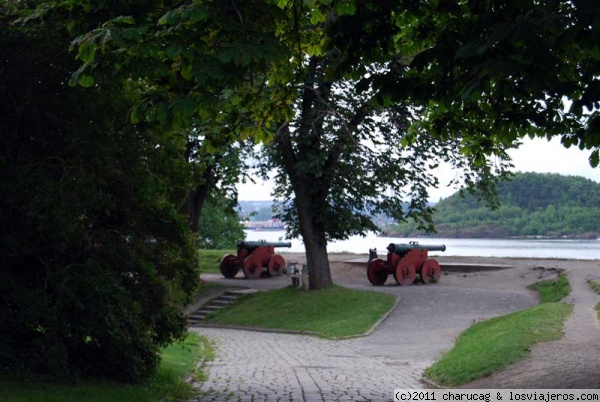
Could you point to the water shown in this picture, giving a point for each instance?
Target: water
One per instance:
(525, 248)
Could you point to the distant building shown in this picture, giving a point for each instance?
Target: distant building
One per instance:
(271, 224)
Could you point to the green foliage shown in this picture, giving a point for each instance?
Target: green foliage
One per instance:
(96, 262)
(203, 62)
(595, 285)
(333, 312)
(209, 260)
(177, 361)
(531, 204)
(494, 344)
(220, 225)
(509, 71)
(552, 290)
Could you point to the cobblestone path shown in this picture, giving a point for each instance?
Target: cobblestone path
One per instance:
(255, 366)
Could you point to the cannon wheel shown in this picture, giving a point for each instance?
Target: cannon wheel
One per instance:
(376, 273)
(276, 265)
(405, 274)
(228, 266)
(431, 270)
(252, 267)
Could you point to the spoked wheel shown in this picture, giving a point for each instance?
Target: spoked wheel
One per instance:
(252, 267)
(229, 266)
(431, 270)
(405, 274)
(276, 265)
(376, 272)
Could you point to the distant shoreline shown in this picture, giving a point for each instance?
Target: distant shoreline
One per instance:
(583, 236)
(442, 236)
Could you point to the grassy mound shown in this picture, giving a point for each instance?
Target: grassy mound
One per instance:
(332, 313)
(494, 344)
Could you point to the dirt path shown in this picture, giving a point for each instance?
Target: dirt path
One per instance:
(573, 361)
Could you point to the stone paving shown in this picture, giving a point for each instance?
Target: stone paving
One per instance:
(257, 366)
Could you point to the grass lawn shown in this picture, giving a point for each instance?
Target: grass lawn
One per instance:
(494, 344)
(209, 260)
(552, 290)
(332, 313)
(596, 286)
(178, 360)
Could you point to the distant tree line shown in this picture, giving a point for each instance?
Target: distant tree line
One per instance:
(220, 226)
(531, 204)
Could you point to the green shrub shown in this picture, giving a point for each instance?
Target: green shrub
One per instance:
(95, 259)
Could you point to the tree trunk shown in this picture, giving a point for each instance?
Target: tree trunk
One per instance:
(319, 272)
(197, 195)
(193, 206)
(313, 234)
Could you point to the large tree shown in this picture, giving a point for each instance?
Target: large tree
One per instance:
(456, 81)
(350, 151)
(398, 86)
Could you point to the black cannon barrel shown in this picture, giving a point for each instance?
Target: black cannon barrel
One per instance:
(403, 248)
(254, 244)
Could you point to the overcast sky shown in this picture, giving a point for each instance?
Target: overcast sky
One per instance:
(536, 155)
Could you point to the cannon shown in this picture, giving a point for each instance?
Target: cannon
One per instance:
(405, 261)
(252, 257)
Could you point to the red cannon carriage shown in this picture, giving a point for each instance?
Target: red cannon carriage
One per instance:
(404, 261)
(252, 257)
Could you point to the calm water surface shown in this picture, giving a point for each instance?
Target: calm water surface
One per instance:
(526, 248)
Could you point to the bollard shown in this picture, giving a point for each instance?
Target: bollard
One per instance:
(305, 284)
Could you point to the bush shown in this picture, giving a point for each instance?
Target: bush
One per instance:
(95, 259)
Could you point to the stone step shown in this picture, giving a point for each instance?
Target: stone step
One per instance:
(221, 302)
(211, 307)
(216, 304)
(227, 297)
(200, 314)
(241, 292)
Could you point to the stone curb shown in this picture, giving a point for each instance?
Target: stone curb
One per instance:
(254, 329)
(431, 384)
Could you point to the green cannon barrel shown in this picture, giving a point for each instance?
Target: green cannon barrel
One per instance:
(255, 244)
(404, 248)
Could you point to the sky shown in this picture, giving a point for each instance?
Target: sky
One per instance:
(537, 155)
